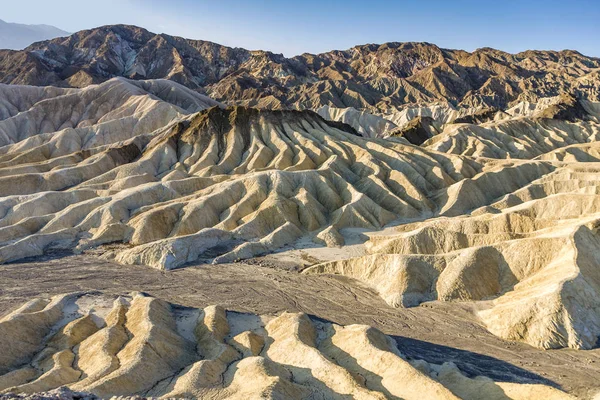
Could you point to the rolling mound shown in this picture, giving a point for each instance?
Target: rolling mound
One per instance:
(519, 239)
(529, 259)
(482, 131)
(231, 183)
(130, 172)
(561, 123)
(140, 345)
(50, 122)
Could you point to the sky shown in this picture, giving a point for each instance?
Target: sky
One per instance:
(313, 26)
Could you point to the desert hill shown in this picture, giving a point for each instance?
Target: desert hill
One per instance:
(445, 194)
(132, 170)
(369, 77)
(137, 344)
(267, 177)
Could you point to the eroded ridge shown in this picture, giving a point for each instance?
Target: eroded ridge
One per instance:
(232, 183)
(532, 252)
(519, 239)
(139, 345)
(517, 236)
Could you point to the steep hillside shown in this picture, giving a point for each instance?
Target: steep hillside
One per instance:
(370, 77)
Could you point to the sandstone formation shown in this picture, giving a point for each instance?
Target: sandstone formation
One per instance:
(231, 183)
(431, 177)
(99, 345)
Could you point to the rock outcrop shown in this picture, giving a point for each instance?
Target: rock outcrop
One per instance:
(417, 131)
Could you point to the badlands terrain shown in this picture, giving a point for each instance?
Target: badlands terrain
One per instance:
(183, 219)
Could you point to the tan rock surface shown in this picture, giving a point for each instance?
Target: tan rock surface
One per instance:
(229, 184)
(532, 251)
(236, 182)
(519, 238)
(495, 217)
(160, 357)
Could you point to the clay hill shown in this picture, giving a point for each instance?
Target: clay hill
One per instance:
(116, 346)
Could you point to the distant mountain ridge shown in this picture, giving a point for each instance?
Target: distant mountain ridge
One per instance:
(18, 36)
(367, 77)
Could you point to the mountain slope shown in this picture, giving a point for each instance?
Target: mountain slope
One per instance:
(18, 36)
(369, 77)
(94, 56)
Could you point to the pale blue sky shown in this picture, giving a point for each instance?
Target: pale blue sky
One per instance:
(315, 26)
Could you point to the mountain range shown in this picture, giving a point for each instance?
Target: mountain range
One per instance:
(377, 78)
(18, 36)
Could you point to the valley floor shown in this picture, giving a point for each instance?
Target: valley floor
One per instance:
(435, 331)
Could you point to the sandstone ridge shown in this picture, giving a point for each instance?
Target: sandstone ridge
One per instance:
(139, 345)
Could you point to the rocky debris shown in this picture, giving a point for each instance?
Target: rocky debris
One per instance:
(483, 193)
